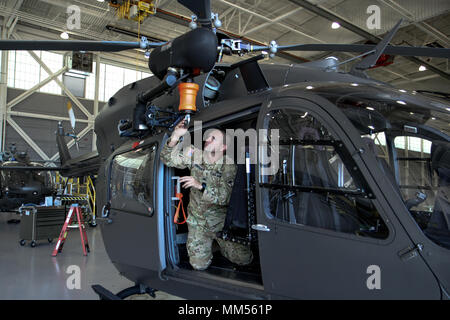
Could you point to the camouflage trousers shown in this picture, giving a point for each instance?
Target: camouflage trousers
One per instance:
(199, 246)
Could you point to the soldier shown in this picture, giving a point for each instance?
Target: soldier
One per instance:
(211, 182)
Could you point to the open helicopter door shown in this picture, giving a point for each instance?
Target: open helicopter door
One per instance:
(134, 231)
(326, 215)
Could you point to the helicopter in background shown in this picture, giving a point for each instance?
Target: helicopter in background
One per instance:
(25, 182)
(352, 196)
(29, 184)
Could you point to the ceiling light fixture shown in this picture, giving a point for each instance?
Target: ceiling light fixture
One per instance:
(64, 35)
(422, 68)
(335, 25)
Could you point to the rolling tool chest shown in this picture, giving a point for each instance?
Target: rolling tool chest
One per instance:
(39, 223)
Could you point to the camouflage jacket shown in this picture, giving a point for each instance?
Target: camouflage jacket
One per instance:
(206, 209)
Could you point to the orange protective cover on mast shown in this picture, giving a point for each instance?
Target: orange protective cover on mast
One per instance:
(188, 94)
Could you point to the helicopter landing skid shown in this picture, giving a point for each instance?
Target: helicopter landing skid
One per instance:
(105, 294)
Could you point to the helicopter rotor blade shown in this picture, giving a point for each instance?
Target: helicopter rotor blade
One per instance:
(71, 115)
(72, 123)
(76, 45)
(392, 50)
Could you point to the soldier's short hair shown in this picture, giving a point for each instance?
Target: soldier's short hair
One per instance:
(224, 134)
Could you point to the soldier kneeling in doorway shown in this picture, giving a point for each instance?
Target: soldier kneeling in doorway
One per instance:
(210, 184)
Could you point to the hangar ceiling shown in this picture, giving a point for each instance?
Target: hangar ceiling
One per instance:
(286, 21)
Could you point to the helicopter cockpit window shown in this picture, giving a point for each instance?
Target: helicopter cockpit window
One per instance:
(424, 182)
(44, 177)
(313, 185)
(132, 179)
(415, 173)
(410, 139)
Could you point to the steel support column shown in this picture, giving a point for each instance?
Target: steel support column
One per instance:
(44, 116)
(3, 92)
(97, 87)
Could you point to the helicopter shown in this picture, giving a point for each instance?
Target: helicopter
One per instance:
(25, 182)
(30, 185)
(348, 199)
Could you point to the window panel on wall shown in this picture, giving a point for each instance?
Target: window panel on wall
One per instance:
(379, 138)
(146, 75)
(54, 62)
(113, 80)
(26, 70)
(130, 76)
(101, 90)
(414, 144)
(90, 83)
(11, 68)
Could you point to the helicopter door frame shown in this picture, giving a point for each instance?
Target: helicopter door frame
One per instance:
(218, 284)
(134, 237)
(321, 263)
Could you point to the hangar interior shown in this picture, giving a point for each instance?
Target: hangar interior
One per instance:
(37, 86)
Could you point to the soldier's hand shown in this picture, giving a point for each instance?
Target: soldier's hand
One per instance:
(189, 181)
(178, 132)
(180, 129)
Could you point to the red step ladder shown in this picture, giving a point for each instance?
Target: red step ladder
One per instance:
(63, 235)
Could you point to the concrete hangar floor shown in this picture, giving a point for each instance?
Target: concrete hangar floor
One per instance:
(28, 273)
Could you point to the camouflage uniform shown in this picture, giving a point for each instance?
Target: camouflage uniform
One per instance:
(207, 209)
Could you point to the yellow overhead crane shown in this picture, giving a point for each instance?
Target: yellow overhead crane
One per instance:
(134, 9)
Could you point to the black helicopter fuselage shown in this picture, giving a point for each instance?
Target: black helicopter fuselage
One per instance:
(295, 260)
(24, 186)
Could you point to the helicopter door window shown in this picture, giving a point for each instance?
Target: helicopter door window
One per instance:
(313, 185)
(424, 182)
(132, 179)
(415, 174)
